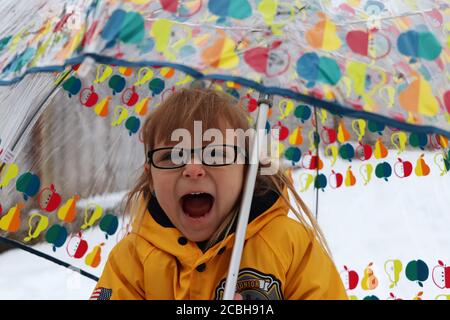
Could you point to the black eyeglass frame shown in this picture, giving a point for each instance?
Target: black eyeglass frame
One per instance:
(237, 149)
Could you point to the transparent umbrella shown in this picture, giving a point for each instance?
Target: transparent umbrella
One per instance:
(358, 94)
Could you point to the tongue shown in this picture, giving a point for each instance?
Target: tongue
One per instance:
(197, 205)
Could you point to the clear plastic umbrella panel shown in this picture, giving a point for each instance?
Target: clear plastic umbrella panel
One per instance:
(361, 104)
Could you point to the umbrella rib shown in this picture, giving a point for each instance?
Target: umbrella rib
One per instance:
(30, 120)
(33, 117)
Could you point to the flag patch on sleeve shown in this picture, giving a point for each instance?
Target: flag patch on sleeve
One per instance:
(101, 294)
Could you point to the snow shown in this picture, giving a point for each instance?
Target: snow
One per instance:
(405, 219)
(25, 276)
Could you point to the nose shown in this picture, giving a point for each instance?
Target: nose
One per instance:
(194, 171)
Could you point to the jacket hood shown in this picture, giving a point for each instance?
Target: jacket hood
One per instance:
(152, 224)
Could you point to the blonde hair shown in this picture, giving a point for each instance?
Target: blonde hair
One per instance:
(214, 109)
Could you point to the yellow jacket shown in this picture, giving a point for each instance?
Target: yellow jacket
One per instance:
(279, 260)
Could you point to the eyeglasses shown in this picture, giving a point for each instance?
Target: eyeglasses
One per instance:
(211, 155)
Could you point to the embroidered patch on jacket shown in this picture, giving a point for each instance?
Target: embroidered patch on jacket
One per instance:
(101, 294)
(254, 285)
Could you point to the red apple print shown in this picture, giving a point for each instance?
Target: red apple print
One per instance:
(77, 247)
(88, 97)
(252, 103)
(283, 131)
(350, 278)
(271, 61)
(363, 151)
(257, 58)
(441, 275)
(336, 179)
(403, 169)
(358, 41)
(362, 41)
(130, 96)
(49, 199)
(328, 135)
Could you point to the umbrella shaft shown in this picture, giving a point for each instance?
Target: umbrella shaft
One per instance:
(230, 285)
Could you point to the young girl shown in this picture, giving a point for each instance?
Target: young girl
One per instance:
(185, 205)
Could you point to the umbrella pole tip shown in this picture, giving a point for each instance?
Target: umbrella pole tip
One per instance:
(265, 98)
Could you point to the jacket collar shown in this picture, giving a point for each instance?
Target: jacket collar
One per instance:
(152, 224)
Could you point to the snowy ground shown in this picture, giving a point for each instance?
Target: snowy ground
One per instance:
(25, 276)
(405, 219)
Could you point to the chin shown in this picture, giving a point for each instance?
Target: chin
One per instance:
(197, 237)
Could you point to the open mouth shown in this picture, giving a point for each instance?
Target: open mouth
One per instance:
(197, 205)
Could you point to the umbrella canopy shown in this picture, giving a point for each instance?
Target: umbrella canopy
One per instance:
(359, 57)
(361, 101)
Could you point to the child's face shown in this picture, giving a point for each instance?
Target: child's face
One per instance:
(197, 198)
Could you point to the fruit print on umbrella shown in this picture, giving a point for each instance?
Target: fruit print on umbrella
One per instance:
(397, 277)
(42, 224)
(441, 275)
(295, 124)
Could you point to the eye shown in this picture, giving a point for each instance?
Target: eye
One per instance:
(163, 156)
